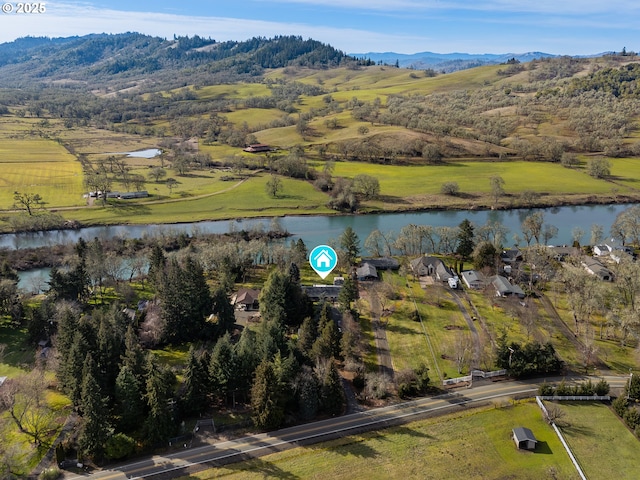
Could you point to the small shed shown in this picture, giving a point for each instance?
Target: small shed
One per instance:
(524, 438)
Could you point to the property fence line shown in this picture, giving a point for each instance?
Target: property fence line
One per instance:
(474, 374)
(571, 398)
(561, 437)
(453, 381)
(495, 373)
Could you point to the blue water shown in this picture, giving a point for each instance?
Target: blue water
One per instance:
(317, 229)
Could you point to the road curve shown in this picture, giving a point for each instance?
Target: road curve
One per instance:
(191, 460)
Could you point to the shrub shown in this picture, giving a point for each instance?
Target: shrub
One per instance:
(450, 188)
(52, 473)
(632, 418)
(619, 406)
(545, 390)
(602, 387)
(120, 446)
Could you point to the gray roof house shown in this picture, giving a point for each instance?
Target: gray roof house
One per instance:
(594, 267)
(504, 288)
(322, 292)
(428, 266)
(524, 438)
(473, 280)
(246, 299)
(383, 263)
(367, 272)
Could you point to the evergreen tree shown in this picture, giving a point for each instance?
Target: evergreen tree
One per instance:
(331, 391)
(72, 366)
(129, 401)
(308, 394)
(134, 357)
(193, 398)
(294, 273)
(327, 345)
(466, 242)
(350, 243)
(273, 297)
(307, 334)
(223, 309)
(110, 343)
(157, 263)
(95, 427)
(160, 422)
(267, 410)
(222, 367)
(185, 301)
(348, 294)
(247, 360)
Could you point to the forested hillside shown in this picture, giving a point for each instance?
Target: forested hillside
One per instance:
(105, 59)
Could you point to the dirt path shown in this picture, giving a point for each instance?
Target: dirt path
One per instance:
(385, 364)
(475, 337)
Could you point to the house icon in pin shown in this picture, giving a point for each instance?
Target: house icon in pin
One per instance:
(323, 260)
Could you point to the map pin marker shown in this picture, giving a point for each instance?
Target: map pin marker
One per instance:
(323, 260)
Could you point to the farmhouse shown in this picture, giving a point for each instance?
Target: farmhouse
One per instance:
(504, 288)
(257, 148)
(383, 263)
(431, 266)
(594, 267)
(367, 272)
(473, 280)
(524, 438)
(512, 255)
(322, 292)
(246, 299)
(561, 253)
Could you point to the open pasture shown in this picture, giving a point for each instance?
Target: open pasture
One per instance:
(473, 444)
(37, 165)
(594, 428)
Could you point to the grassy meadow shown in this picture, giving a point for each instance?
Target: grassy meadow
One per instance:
(603, 445)
(474, 444)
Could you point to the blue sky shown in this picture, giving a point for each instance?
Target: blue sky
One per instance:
(571, 27)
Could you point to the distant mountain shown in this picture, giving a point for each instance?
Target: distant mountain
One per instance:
(103, 59)
(447, 62)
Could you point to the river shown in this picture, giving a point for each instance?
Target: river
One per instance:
(315, 230)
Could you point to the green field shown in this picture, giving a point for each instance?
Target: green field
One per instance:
(603, 445)
(472, 445)
(33, 164)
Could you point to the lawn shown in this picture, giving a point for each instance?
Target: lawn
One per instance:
(474, 444)
(603, 445)
(445, 326)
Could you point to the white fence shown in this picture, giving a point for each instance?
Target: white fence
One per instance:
(571, 398)
(474, 374)
(560, 436)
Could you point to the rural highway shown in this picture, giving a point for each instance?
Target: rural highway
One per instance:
(189, 460)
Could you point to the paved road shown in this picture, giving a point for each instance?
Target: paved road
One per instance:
(190, 460)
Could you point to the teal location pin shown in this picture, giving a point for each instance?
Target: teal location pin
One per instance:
(323, 260)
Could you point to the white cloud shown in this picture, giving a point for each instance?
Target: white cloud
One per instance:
(62, 20)
(552, 7)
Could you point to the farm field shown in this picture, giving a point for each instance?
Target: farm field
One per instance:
(32, 164)
(593, 427)
(474, 444)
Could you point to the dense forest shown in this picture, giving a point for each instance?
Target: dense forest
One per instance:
(108, 59)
